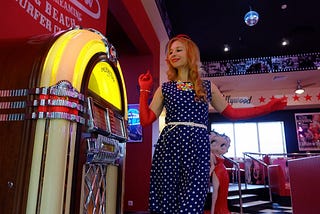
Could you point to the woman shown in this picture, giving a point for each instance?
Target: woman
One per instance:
(181, 162)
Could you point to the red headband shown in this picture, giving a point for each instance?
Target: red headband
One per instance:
(183, 36)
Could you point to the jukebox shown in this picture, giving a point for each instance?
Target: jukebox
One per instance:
(63, 121)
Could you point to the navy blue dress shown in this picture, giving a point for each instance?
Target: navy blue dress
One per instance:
(181, 161)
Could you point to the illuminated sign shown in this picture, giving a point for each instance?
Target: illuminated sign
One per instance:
(134, 127)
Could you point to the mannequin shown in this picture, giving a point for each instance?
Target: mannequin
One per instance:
(219, 145)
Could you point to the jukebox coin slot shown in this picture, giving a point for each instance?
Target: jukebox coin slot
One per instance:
(103, 150)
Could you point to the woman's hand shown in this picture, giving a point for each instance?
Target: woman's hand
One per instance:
(145, 81)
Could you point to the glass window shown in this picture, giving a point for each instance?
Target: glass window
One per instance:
(246, 138)
(227, 129)
(271, 137)
(261, 137)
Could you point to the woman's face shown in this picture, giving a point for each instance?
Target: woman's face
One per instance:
(177, 55)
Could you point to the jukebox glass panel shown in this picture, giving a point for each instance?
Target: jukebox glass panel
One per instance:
(103, 81)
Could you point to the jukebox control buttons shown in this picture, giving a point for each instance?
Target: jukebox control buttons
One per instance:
(103, 150)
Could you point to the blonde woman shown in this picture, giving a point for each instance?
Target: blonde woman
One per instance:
(180, 166)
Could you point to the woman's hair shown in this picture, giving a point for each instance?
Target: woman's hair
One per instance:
(193, 60)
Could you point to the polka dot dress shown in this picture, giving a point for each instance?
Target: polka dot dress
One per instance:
(181, 162)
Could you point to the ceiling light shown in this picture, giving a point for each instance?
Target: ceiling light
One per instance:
(251, 18)
(284, 42)
(226, 48)
(299, 89)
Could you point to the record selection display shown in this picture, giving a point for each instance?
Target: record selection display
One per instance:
(105, 121)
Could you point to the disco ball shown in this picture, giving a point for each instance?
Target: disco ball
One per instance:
(251, 18)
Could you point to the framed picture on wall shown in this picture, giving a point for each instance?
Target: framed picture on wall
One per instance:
(308, 131)
(134, 126)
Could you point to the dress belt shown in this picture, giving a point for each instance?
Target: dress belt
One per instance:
(188, 124)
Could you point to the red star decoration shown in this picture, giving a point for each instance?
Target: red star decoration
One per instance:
(285, 97)
(262, 99)
(318, 96)
(295, 98)
(272, 97)
(308, 97)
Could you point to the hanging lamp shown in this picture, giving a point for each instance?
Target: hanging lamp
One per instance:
(299, 89)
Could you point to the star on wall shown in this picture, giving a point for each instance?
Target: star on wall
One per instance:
(295, 98)
(308, 97)
(262, 99)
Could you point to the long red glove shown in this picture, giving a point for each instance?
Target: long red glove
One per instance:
(246, 113)
(147, 116)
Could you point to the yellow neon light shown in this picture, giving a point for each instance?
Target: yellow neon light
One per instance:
(59, 53)
(86, 53)
(50, 68)
(103, 81)
(69, 55)
(124, 92)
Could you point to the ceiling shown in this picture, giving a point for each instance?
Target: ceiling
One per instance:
(212, 24)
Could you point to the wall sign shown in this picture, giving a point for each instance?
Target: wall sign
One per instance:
(134, 127)
(23, 18)
(308, 131)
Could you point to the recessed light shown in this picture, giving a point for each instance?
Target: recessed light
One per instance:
(226, 48)
(284, 6)
(284, 42)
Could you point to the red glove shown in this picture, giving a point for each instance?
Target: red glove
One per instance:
(246, 113)
(147, 116)
(145, 81)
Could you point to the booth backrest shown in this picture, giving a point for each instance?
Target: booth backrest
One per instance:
(278, 181)
(283, 163)
(304, 178)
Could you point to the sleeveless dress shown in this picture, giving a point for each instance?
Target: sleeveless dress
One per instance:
(221, 206)
(181, 161)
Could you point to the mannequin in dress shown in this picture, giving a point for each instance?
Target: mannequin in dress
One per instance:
(219, 145)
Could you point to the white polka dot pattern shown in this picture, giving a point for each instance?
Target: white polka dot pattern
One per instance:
(180, 166)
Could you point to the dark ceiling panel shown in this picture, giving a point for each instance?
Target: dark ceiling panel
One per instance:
(213, 23)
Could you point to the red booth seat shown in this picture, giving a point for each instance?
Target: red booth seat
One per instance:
(278, 180)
